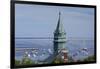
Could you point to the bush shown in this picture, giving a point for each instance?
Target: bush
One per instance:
(17, 62)
(90, 58)
(24, 61)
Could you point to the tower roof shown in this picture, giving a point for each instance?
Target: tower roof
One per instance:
(59, 28)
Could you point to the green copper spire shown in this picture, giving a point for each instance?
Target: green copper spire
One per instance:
(59, 28)
(59, 37)
(59, 43)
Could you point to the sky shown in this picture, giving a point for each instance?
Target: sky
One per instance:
(41, 21)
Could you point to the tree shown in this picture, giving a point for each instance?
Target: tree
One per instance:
(27, 61)
(17, 62)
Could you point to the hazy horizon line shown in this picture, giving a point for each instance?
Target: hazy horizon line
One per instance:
(52, 37)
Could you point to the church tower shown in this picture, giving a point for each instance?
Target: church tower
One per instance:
(59, 37)
(60, 52)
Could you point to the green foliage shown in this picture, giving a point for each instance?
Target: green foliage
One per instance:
(57, 61)
(90, 58)
(70, 60)
(24, 61)
(17, 62)
(27, 61)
